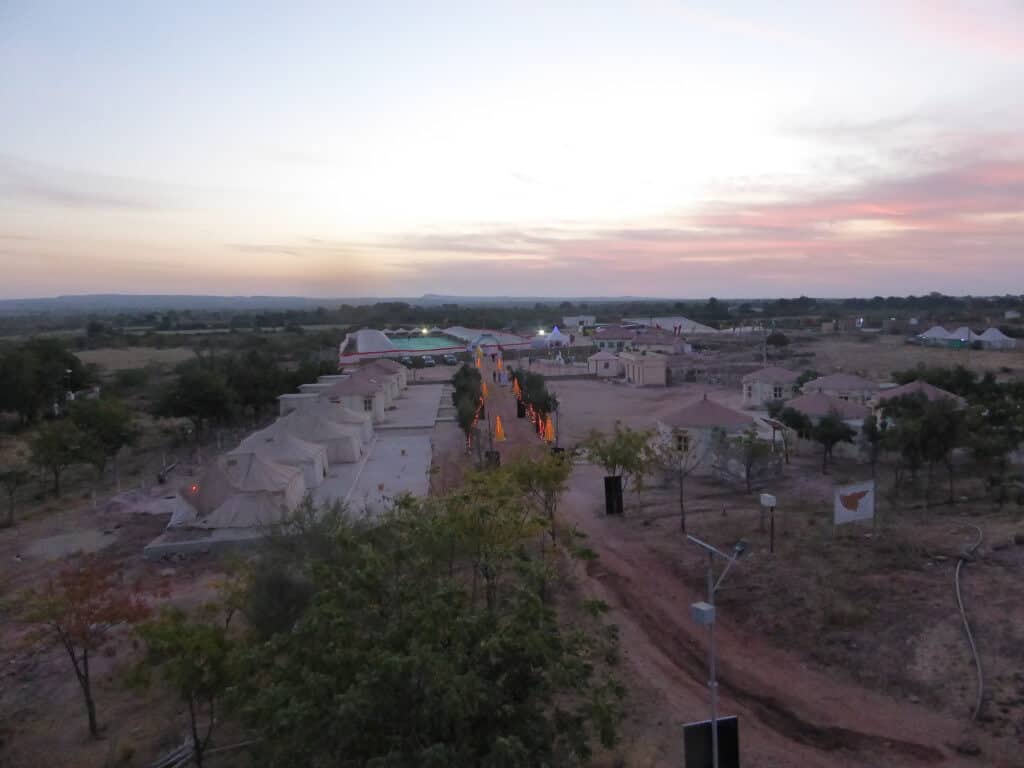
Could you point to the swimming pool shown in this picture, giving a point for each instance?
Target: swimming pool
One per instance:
(424, 342)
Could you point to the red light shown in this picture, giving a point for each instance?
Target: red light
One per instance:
(195, 489)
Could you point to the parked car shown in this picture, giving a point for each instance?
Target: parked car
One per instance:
(405, 360)
(428, 361)
(451, 359)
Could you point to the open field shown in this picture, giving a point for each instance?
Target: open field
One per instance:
(878, 356)
(115, 359)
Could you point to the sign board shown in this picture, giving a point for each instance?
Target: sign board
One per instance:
(767, 500)
(697, 743)
(854, 502)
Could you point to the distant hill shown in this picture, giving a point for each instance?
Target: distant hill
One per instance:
(105, 303)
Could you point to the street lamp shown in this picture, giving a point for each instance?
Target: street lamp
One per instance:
(703, 613)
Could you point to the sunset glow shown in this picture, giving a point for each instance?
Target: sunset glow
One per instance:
(652, 148)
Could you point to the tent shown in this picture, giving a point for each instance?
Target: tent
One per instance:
(963, 333)
(342, 441)
(245, 510)
(247, 473)
(993, 338)
(557, 339)
(283, 448)
(339, 414)
(936, 333)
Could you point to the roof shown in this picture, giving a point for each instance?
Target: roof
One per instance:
(252, 472)
(994, 334)
(919, 386)
(245, 510)
(817, 405)
(963, 333)
(278, 445)
(936, 332)
(371, 340)
(840, 381)
(707, 414)
(641, 335)
(603, 355)
(362, 382)
(773, 373)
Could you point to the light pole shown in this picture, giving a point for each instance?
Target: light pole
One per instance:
(704, 613)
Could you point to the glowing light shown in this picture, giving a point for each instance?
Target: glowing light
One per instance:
(424, 331)
(499, 430)
(540, 332)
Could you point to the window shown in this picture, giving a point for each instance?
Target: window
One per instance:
(777, 392)
(844, 396)
(682, 442)
(367, 404)
(750, 391)
(606, 365)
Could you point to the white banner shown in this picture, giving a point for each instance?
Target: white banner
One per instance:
(854, 502)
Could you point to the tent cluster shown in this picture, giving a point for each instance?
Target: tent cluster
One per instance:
(990, 338)
(267, 476)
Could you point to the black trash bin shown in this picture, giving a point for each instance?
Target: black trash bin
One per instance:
(520, 409)
(613, 495)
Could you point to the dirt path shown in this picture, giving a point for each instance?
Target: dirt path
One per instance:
(792, 713)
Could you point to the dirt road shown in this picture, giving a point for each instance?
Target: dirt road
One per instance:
(792, 712)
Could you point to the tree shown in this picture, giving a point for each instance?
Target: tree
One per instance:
(107, 426)
(200, 394)
(396, 661)
(941, 428)
(808, 375)
(623, 453)
(777, 339)
(873, 436)
(55, 447)
(36, 375)
(679, 457)
(193, 657)
(78, 611)
(829, 431)
(752, 450)
(543, 481)
(12, 477)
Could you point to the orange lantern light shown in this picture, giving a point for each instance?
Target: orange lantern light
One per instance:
(499, 430)
(483, 389)
(549, 431)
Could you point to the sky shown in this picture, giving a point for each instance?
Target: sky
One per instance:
(649, 148)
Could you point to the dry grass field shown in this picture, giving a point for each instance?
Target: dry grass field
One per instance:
(114, 359)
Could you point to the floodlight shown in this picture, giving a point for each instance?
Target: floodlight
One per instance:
(740, 548)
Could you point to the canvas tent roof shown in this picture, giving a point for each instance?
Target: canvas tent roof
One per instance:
(339, 414)
(994, 334)
(246, 473)
(245, 510)
(342, 441)
(707, 414)
(963, 333)
(936, 332)
(371, 340)
(284, 448)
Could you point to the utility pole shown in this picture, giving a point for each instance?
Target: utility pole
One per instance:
(704, 613)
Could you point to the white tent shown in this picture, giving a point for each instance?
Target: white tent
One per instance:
(556, 338)
(283, 448)
(246, 473)
(245, 510)
(963, 333)
(936, 332)
(993, 338)
(339, 414)
(341, 440)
